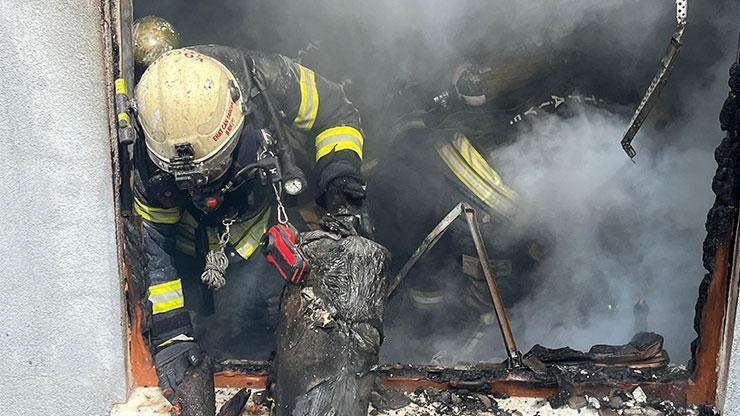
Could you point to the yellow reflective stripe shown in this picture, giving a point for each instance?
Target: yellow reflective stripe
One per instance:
(257, 227)
(340, 145)
(339, 138)
(473, 182)
(185, 245)
(188, 220)
(120, 85)
(165, 287)
(487, 195)
(481, 166)
(166, 296)
(213, 238)
(157, 215)
(426, 300)
(170, 305)
(309, 106)
(181, 337)
(185, 240)
(124, 120)
(168, 342)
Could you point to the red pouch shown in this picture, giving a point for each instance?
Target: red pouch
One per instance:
(279, 245)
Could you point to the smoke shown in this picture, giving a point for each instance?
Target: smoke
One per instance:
(617, 232)
(613, 231)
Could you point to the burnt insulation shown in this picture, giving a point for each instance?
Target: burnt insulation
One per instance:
(331, 327)
(724, 185)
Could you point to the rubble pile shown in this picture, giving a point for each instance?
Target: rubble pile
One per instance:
(432, 402)
(621, 402)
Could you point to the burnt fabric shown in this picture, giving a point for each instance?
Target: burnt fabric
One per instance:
(644, 348)
(331, 328)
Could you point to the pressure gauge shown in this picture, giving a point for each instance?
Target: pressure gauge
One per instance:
(293, 186)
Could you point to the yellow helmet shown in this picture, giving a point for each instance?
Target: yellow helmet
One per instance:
(190, 109)
(153, 36)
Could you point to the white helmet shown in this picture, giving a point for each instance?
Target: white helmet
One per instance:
(190, 109)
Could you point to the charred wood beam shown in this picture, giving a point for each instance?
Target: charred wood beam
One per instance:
(703, 381)
(668, 383)
(714, 290)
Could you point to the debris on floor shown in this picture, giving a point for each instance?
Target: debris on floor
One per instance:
(144, 401)
(149, 401)
(645, 350)
(433, 402)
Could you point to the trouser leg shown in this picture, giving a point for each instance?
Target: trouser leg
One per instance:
(246, 312)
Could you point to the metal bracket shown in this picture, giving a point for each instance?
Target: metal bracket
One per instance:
(653, 91)
(466, 212)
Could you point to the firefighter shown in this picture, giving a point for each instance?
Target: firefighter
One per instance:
(207, 113)
(443, 150)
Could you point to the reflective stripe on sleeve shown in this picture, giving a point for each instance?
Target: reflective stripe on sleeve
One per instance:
(166, 296)
(212, 233)
(339, 138)
(181, 337)
(309, 106)
(497, 196)
(479, 164)
(157, 215)
(187, 227)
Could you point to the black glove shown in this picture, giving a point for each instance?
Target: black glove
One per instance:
(345, 196)
(173, 361)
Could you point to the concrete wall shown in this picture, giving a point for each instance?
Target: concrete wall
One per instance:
(61, 332)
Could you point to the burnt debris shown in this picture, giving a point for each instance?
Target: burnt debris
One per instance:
(724, 185)
(433, 402)
(644, 350)
(331, 328)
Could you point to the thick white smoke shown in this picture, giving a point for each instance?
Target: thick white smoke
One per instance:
(617, 231)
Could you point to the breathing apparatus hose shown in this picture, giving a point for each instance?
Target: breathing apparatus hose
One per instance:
(286, 156)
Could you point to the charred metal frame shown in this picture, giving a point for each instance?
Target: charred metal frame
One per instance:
(467, 212)
(702, 383)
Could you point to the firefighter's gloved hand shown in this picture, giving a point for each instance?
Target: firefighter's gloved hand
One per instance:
(342, 192)
(345, 196)
(173, 361)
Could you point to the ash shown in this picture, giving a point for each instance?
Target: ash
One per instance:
(433, 402)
